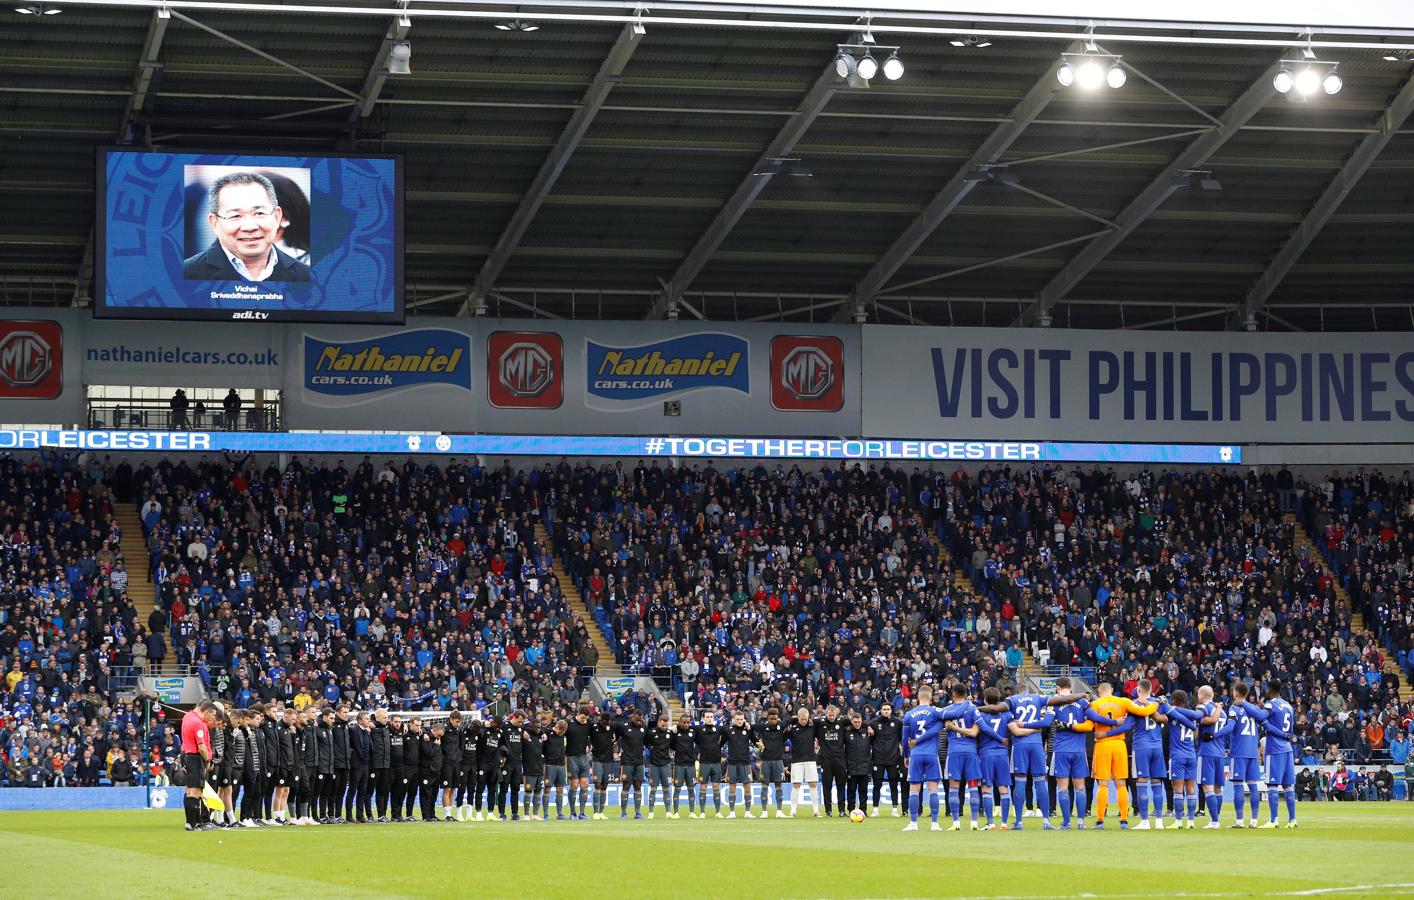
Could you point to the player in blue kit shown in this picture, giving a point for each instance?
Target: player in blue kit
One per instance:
(1278, 718)
(1183, 758)
(921, 727)
(1069, 764)
(1028, 751)
(1213, 731)
(1028, 763)
(994, 759)
(1147, 749)
(963, 768)
(1245, 770)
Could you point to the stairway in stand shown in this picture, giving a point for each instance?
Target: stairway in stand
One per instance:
(1357, 619)
(963, 585)
(142, 593)
(608, 667)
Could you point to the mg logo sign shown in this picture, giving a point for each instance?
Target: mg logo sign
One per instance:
(525, 370)
(807, 373)
(31, 359)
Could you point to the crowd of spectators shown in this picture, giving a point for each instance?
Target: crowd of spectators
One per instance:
(425, 586)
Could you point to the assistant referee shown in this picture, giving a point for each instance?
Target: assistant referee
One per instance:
(196, 753)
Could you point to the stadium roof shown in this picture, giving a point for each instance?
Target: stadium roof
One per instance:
(723, 170)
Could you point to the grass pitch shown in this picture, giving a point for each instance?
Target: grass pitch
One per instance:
(1340, 850)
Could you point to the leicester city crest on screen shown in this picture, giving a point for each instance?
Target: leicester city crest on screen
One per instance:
(388, 363)
(635, 376)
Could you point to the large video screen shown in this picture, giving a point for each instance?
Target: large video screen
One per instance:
(298, 238)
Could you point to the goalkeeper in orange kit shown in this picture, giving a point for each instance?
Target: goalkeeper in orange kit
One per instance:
(1111, 761)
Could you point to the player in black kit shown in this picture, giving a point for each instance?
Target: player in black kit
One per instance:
(469, 778)
(770, 744)
(450, 781)
(660, 764)
(684, 749)
(577, 756)
(512, 773)
(739, 738)
(709, 737)
(412, 768)
(830, 734)
(886, 735)
(631, 737)
(532, 761)
(803, 768)
(488, 767)
(601, 746)
(556, 775)
(430, 771)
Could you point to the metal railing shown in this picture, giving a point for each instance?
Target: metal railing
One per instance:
(140, 415)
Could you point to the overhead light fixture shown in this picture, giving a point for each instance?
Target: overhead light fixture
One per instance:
(893, 67)
(971, 40)
(1090, 75)
(516, 25)
(399, 58)
(1399, 56)
(1307, 81)
(38, 9)
(858, 61)
(1307, 77)
(1089, 71)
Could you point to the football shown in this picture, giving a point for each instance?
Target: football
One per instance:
(856, 816)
